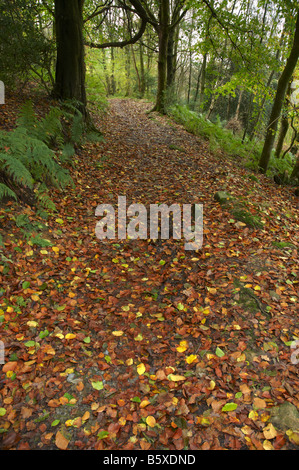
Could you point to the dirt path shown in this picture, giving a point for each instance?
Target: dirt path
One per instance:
(136, 344)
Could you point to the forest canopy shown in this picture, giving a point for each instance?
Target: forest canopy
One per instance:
(232, 62)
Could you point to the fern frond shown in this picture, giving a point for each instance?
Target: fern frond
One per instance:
(5, 191)
(27, 118)
(15, 168)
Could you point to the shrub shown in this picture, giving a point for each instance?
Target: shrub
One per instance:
(28, 160)
(219, 137)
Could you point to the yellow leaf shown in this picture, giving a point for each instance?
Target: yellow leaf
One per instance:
(267, 445)
(270, 431)
(175, 378)
(69, 422)
(32, 324)
(293, 436)
(55, 249)
(44, 252)
(212, 385)
(257, 287)
(122, 421)
(117, 333)
(241, 358)
(70, 336)
(59, 335)
(246, 430)
(141, 368)
(35, 297)
(182, 347)
(129, 361)
(150, 421)
(191, 358)
(144, 403)
(253, 415)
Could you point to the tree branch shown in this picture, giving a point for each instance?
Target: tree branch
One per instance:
(120, 44)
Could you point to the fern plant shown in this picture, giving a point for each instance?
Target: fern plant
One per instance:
(26, 159)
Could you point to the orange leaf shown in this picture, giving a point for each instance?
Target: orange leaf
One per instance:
(61, 441)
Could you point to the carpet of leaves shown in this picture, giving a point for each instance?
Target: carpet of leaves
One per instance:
(140, 344)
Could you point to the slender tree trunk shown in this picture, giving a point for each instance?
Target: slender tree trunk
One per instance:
(172, 55)
(295, 173)
(279, 99)
(70, 65)
(284, 126)
(239, 104)
(282, 134)
(142, 74)
(203, 80)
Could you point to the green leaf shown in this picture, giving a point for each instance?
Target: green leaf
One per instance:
(87, 340)
(162, 262)
(219, 352)
(43, 334)
(29, 344)
(180, 306)
(229, 407)
(103, 434)
(2, 411)
(55, 422)
(136, 400)
(97, 385)
(25, 285)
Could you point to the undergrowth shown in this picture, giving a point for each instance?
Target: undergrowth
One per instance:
(223, 139)
(33, 154)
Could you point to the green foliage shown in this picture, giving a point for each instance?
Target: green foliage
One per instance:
(27, 158)
(219, 137)
(24, 47)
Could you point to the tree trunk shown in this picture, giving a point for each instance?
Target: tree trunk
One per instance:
(282, 134)
(70, 65)
(163, 32)
(279, 99)
(203, 81)
(172, 55)
(142, 73)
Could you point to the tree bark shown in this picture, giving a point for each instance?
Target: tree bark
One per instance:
(163, 32)
(279, 99)
(70, 65)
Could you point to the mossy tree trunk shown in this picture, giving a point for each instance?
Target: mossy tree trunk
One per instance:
(163, 33)
(70, 64)
(279, 100)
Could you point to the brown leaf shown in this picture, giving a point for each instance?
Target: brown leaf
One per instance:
(61, 441)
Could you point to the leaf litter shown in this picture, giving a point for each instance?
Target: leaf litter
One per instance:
(139, 344)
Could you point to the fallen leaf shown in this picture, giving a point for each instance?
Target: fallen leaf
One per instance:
(150, 421)
(141, 368)
(61, 441)
(269, 431)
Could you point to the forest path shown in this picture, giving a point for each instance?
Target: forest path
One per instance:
(163, 159)
(140, 344)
